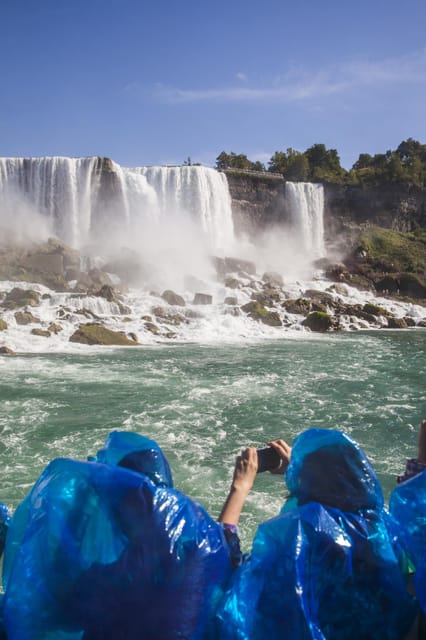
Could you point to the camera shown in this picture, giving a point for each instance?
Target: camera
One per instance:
(267, 459)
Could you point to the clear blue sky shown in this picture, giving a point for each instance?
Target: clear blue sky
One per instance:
(152, 82)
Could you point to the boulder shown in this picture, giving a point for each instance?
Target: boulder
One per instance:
(3, 325)
(318, 321)
(18, 297)
(92, 333)
(232, 283)
(273, 278)
(396, 323)
(6, 351)
(268, 297)
(202, 298)
(52, 263)
(99, 278)
(152, 328)
(375, 309)
(55, 328)
(256, 311)
(41, 332)
(171, 317)
(173, 298)
(25, 317)
(107, 292)
(231, 300)
(410, 322)
(299, 306)
(339, 288)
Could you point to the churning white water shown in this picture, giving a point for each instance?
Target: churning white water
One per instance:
(306, 203)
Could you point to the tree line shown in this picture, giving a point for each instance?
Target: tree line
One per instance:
(406, 164)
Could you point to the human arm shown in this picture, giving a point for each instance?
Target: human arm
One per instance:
(242, 481)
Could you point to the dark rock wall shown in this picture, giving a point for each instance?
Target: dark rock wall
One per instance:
(259, 202)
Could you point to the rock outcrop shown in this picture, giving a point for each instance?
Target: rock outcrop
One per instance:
(92, 334)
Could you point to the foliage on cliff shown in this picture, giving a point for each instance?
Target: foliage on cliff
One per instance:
(404, 165)
(389, 261)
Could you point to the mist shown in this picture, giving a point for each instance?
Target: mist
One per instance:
(21, 225)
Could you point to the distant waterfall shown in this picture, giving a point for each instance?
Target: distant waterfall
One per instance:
(306, 203)
(62, 189)
(81, 196)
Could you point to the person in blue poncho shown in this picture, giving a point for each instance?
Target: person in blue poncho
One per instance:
(325, 568)
(109, 550)
(407, 506)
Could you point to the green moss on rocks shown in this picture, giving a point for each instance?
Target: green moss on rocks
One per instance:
(374, 309)
(256, 311)
(97, 334)
(3, 325)
(318, 321)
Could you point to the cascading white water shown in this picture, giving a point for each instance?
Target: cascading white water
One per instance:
(70, 193)
(306, 203)
(199, 192)
(62, 189)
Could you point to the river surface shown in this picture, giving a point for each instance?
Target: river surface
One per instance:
(203, 403)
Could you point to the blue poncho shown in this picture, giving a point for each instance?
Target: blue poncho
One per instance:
(325, 567)
(102, 552)
(407, 508)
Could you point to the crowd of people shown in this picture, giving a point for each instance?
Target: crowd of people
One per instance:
(108, 549)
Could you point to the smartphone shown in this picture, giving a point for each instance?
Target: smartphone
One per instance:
(267, 459)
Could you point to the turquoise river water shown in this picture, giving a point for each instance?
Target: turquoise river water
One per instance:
(203, 403)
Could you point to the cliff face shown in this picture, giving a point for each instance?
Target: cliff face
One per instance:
(399, 207)
(260, 201)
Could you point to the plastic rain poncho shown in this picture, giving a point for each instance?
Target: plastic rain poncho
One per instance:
(325, 567)
(102, 552)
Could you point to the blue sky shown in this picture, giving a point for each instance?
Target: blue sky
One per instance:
(155, 82)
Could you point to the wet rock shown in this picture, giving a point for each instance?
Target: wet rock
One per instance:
(301, 306)
(25, 317)
(107, 292)
(97, 334)
(318, 321)
(273, 278)
(133, 336)
(55, 328)
(6, 351)
(99, 278)
(232, 283)
(422, 323)
(3, 325)
(171, 317)
(173, 298)
(396, 323)
(375, 309)
(202, 298)
(170, 335)
(152, 328)
(340, 289)
(18, 297)
(230, 300)
(257, 311)
(269, 297)
(41, 332)
(410, 322)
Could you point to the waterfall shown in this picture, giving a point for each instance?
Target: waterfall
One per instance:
(198, 192)
(306, 203)
(81, 197)
(61, 189)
